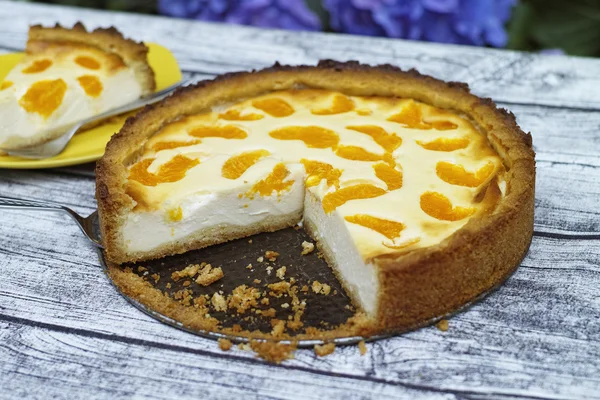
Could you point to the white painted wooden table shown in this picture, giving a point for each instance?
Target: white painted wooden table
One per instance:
(66, 333)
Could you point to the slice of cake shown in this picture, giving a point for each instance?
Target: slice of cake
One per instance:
(68, 75)
(419, 194)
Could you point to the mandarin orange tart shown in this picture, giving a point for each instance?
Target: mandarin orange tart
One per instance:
(68, 75)
(418, 193)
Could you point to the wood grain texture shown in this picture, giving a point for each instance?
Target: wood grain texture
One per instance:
(66, 333)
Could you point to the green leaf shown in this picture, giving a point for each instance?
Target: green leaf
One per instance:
(519, 27)
(572, 25)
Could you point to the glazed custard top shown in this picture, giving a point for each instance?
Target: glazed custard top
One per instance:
(402, 174)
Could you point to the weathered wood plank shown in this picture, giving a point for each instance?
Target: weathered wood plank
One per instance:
(213, 49)
(548, 348)
(46, 363)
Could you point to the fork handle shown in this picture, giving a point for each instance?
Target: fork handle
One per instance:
(11, 202)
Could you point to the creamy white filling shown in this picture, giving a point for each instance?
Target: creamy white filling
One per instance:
(146, 231)
(359, 278)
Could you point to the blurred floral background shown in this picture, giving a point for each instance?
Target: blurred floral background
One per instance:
(553, 26)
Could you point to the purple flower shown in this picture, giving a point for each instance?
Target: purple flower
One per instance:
(476, 22)
(285, 14)
(553, 52)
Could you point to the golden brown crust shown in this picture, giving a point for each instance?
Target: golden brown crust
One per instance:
(109, 40)
(416, 286)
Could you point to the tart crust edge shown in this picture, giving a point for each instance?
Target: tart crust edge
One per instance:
(110, 40)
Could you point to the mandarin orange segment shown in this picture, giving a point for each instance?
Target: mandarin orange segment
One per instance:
(457, 175)
(158, 146)
(172, 171)
(388, 174)
(312, 136)
(87, 62)
(274, 106)
(5, 85)
(317, 171)
(389, 229)
(273, 183)
(91, 85)
(438, 206)
(139, 172)
(225, 132)
(403, 245)
(235, 166)
(445, 144)
(333, 200)
(38, 66)
(443, 125)
(44, 97)
(356, 153)
(388, 141)
(341, 104)
(176, 214)
(411, 116)
(235, 115)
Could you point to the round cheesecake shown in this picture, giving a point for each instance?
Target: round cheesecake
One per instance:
(418, 193)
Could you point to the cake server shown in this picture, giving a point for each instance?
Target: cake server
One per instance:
(88, 225)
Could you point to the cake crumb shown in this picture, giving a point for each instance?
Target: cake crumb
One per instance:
(257, 281)
(249, 266)
(249, 240)
(304, 289)
(142, 269)
(278, 289)
(200, 300)
(218, 302)
(269, 269)
(307, 248)
(278, 327)
(362, 347)
(209, 275)
(321, 288)
(242, 298)
(260, 259)
(280, 273)
(169, 285)
(225, 344)
(271, 255)
(187, 283)
(325, 349)
(156, 277)
(442, 325)
(285, 305)
(265, 301)
(244, 346)
(270, 313)
(274, 352)
(187, 272)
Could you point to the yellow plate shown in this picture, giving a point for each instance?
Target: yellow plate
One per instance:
(89, 145)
